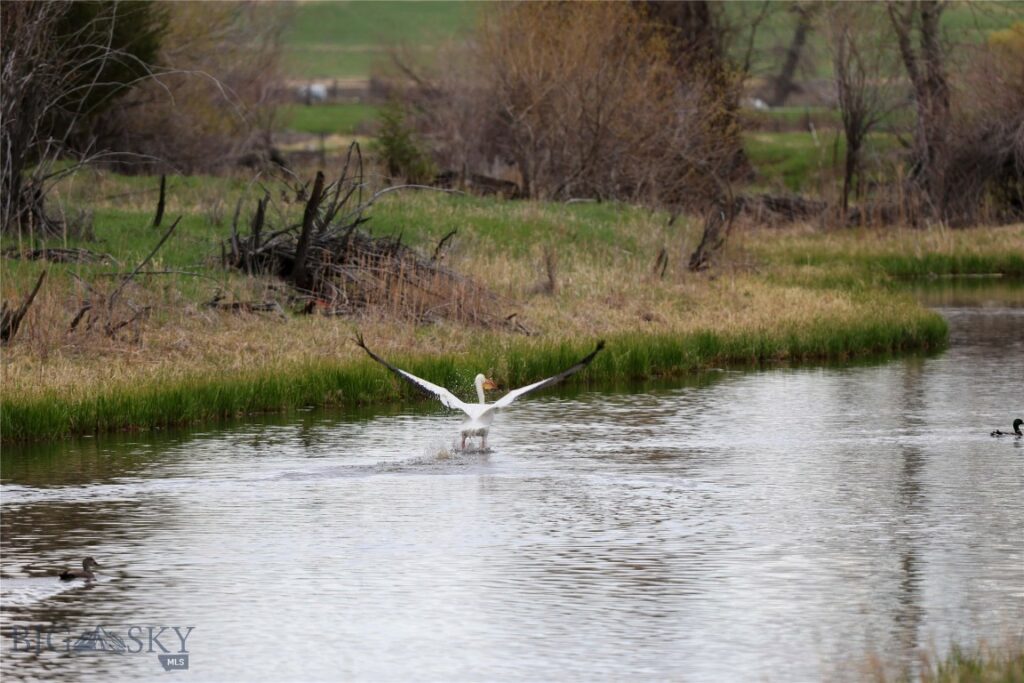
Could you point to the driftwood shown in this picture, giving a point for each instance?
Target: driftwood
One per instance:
(10, 319)
(782, 207)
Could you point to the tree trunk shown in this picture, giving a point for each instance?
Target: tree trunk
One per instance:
(927, 74)
(696, 40)
(784, 81)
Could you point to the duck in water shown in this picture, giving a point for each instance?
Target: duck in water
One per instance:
(88, 564)
(1016, 429)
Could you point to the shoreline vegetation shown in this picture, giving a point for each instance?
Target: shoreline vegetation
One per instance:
(1003, 663)
(194, 398)
(569, 274)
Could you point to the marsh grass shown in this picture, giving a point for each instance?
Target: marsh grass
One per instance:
(172, 398)
(982, 664)
(797, 295)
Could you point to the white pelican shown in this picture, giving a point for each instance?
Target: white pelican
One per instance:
(478, 415)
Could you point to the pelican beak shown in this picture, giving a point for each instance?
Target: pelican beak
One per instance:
(489, 385)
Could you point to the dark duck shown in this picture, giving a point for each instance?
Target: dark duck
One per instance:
(88, 564)
(1016, 429)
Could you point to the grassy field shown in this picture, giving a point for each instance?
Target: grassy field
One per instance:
(803, 161)
(794, 160)
(347, 39)
(337, 119)
(796, 295)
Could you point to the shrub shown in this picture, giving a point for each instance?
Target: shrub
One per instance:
(606, 100)
(398, 148)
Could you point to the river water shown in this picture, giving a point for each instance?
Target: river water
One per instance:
(784, 525)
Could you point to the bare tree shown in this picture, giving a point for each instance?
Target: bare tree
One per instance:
(210, 105)
(63, 62)
(89, 81)
(574, 109)
(925, 66)
(863, 84)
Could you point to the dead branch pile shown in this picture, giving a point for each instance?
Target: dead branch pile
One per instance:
(339, 269)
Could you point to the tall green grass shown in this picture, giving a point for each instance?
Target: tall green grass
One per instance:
(633, 356)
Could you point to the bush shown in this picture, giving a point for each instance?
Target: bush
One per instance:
(209, 107)
(582, 100)
(398, 149)
(64, 64)
(985, 167)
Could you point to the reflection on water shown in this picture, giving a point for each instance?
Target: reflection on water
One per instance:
(774, 525)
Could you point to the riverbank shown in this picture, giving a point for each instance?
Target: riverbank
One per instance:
(568, 274)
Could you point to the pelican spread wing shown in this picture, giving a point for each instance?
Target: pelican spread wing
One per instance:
(447, 398)
(480, 414)
(511, 396)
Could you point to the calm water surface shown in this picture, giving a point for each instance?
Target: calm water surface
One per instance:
(779, 525)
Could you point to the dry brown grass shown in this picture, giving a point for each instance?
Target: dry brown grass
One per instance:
(182, 339)
(768, 283)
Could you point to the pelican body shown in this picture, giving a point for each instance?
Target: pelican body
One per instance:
(88, 564)
(480, 415)
(1016, 429)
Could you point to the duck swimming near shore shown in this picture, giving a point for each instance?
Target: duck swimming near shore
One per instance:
(88, 564)
(1016, 429)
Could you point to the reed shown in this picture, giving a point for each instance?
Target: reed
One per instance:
(193, 398)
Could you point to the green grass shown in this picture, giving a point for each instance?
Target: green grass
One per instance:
(345, 39)
(338, 119)
(509, 227)
(802, 161)
(627, 357)
(354, 24)
(793, 118)
(874, 266)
